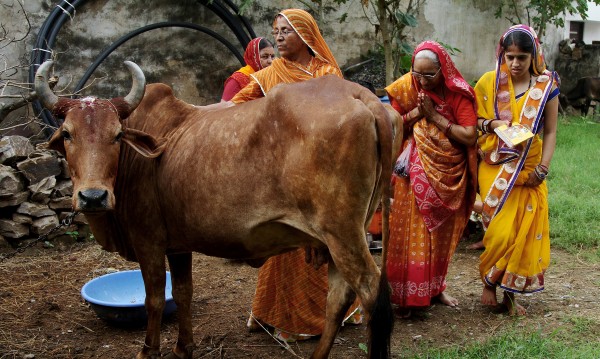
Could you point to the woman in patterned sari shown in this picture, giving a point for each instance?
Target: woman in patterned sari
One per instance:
(258, 55)
(520, 91)
(435, 177)
(291, 295)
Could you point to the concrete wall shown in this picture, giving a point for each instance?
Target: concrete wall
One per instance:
(591, 27)
(196, 65)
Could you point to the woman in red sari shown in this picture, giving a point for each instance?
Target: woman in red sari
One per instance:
(259, 54)
(435, 177)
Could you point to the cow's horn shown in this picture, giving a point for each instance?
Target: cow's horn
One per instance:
(45, 94)
(138, 87)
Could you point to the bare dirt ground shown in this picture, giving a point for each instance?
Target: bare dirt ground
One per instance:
(42, 314)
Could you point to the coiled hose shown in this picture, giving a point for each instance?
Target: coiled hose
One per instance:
(42, 49)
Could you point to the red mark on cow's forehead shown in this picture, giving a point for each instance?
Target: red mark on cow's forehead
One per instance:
(94, 103)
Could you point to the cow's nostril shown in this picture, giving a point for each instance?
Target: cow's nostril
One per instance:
(93, 198)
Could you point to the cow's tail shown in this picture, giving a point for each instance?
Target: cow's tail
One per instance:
(381, 321)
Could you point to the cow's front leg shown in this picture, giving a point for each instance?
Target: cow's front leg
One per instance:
(154, 281)
(181, 274)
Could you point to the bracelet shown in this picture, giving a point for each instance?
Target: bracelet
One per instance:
(541, 172)
(485, 126)
(544, 168)
(448, 127)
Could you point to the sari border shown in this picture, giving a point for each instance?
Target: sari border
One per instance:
(496, 197)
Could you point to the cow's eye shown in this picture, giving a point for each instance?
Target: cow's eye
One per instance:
(119, 136)
(65, 134)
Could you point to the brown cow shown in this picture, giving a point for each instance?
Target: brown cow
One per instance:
(303, 167)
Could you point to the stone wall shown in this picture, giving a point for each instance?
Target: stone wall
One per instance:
(196, 65)
(35, 194)
(582, 61)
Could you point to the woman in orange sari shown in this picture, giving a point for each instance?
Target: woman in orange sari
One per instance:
(435, 177)
(291, 295)
(258, 55)
(520, 92)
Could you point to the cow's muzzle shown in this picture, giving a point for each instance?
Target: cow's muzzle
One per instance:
(92, 200)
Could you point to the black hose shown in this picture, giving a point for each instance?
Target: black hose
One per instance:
(146, 28)
(243, 19)
(41, 52)
(49, 31)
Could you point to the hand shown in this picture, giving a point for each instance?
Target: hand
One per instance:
(316, 256)
(497, 123)
(412, 117)
(533, 180)
(425, 106)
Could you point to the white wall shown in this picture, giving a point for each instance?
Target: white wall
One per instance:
(591, 28)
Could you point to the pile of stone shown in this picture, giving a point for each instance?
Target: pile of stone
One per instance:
(35, 193)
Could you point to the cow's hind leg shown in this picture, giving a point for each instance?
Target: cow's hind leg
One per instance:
(356, 265)
(181, 274)
(339, 298)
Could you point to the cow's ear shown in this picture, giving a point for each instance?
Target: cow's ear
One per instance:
(56, 142)
(144, 144)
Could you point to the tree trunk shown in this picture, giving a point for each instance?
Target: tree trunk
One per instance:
(384, 27)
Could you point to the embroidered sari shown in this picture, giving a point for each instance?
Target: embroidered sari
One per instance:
(291, 295)
(432, 205)
(239, 79)
(517, 241)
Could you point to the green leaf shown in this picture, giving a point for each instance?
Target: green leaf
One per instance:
(363, 347)
(406, 19)
(405, 63)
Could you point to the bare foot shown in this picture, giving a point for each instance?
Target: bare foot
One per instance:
(476, 245)
(446, 299)
(403, 313)
(488, 296)
(512, 306)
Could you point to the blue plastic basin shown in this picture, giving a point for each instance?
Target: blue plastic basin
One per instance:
(119, 297)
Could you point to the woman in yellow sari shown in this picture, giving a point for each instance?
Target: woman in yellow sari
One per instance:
(520, 91)
(291, 295)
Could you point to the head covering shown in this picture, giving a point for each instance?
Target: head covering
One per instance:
(306, 27)
(538, 62)
(452, 78)
(252, 54)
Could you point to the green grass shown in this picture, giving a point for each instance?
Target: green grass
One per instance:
(578, 339)
(574, 187)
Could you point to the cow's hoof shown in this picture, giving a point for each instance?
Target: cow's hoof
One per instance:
(148, 356)
(186, 354)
